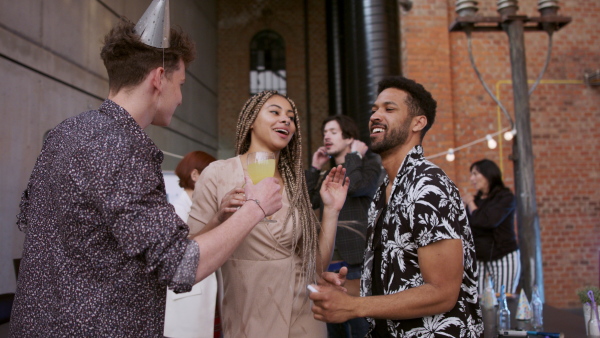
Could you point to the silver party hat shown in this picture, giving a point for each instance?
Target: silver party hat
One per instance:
(154, 27)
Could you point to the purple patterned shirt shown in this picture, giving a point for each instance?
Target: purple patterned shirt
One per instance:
(102, 242)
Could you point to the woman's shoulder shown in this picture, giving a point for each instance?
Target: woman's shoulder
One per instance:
(223, 166)
(501, 193)
(222, 175)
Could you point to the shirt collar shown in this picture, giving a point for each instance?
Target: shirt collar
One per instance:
(414, 155)
(122, 116)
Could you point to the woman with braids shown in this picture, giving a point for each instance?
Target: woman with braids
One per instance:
(264, 281)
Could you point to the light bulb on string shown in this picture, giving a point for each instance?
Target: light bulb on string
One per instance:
(450, 155)
(509, 135)
(492, 144)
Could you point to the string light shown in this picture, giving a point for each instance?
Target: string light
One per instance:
(510, 134)
(492, 144)
(450, 155)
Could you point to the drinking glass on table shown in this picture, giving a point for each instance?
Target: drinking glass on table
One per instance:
(261, 165)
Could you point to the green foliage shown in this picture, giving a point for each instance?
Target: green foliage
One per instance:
(583, 294)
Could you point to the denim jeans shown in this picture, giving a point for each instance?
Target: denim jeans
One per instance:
(354, 328)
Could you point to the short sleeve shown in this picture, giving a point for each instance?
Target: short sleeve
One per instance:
(437, 212)
(205, 203)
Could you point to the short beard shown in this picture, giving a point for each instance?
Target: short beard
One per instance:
(394, 138)
(334, 154)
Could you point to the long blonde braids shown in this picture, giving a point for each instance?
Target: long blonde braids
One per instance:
(292, 171)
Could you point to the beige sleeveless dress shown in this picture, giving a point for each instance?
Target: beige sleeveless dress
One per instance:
(263, 294)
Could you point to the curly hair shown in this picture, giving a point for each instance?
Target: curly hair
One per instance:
(418, 100)
(128, 60)
(304, 220)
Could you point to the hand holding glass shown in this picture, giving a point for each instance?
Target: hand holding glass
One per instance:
(260, 166)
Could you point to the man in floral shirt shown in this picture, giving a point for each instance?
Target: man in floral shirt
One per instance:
(419, 278)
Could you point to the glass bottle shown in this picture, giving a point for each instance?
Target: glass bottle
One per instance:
(537, 308)
(592, 325)
(503, 311)
(489, 308)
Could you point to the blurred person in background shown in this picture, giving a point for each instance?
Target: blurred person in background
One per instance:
(491, 213)
(191, 314)
(341, 146)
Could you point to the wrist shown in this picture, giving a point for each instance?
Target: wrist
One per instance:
(257, 203)
(358, 309)
(256, 210)
(331, 211)
(357, 153)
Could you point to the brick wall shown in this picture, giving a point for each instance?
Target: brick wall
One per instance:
(565, 118)
(565, 114)
(239, 21)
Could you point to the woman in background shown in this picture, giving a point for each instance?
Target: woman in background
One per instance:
(264, 281)
(491, 215)
(191, 314)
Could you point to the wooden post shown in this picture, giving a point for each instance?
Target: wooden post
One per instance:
(527, 216)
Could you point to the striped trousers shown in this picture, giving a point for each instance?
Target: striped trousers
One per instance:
(504, 271)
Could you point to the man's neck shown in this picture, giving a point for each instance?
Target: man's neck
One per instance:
(136, 104)
(341, 157)
(393, 159)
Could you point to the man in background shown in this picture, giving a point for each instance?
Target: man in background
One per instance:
(342, 146)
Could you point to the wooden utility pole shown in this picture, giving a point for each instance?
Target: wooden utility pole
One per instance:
(527, 214)
(515, 27)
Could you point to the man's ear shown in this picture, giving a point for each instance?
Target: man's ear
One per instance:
(349, 141)
(156, 76)
(419, 122)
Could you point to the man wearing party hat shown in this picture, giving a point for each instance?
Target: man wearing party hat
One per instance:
(102, 242)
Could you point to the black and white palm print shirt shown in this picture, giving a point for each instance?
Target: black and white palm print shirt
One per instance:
(424, 207)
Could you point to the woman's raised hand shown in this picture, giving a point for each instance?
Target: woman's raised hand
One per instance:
(335, 188)
(230, 203)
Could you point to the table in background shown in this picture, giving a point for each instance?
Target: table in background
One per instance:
(555, 320)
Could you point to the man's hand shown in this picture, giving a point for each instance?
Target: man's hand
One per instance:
(332, 305)
(267, 192)
(320, 157)
(335, 188)
(359, 146)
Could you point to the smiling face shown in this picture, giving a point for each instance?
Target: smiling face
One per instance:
(479, 182)
(334, 141)
(390, 122)
(170, 97)
(274, 127)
